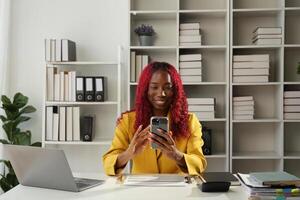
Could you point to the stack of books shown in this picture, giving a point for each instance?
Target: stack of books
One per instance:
(291, 104)
(189, 34)
(271, 185)
(137, 64)
(62, 123)
(267, 36)
(251, 68)
(243, 107)
(190, 67)
(57, 50)
(204, 108)
(61, 86)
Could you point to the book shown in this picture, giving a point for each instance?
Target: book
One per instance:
(291, 109)
(62, 86)
(205, 115)
(291, 94)
(49, 123)
(58, 50)
(138, 67)
(219, 177)
(189, 32)
(47, 50)
(240, 108)
(76, 123)
(66, 89)
(55, 126)
(262, 71)
(62, 123)
(190, 38)
(291, 115)
(275, 178)
(190, 78)
(243, 112)
(190, 43)
(266, 41)
(52, 49)
(243, 98)
(56, 87)
(190, 64)
(189, 26)
(243, 103)
(194, 108)
(266, 36)
(250, 79)
(132, 66)
(251, 57)
(68, 50)
(73, 86)
(268, 30)
(201, 101)
(69, 120)
(50, 83)
(196, 71)
(292, 101)
(145, 61)
(243, 117)
(251, 65)
(190, 57)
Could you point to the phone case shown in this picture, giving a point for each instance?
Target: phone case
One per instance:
(158, 122)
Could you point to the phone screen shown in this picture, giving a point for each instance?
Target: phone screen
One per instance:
(158, 123)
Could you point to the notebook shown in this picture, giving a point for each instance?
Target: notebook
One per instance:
(275, 178)
(219, 177)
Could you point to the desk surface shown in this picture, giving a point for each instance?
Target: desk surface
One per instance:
(113, 190)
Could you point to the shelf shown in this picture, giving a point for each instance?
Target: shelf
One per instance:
(212, 12)
(57, 103)
(257, 121)
(104, 142)
(291, 120)
(153, 15)
(292, 45)
(256, 155)
(206, 83)
(292, 155)
(152, 47)
(257, 11)
(291, 83)
(216, 155)
(257, 46)
(292, 9)
(214, 120)
(212, 47)
(136, 12)
(82, 63)
(262, 84)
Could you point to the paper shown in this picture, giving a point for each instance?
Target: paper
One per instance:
(155, 180)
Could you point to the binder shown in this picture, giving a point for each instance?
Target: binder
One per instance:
(79, 88)
(89, 89)
(100, 91)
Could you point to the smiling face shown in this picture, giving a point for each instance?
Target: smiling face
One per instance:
(160, 92)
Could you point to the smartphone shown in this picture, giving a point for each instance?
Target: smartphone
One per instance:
(158, 123)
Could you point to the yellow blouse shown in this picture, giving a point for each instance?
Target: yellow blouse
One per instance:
(153, 161)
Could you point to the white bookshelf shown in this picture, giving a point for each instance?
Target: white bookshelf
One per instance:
(165, 16)
(106, 113)
(268, 142)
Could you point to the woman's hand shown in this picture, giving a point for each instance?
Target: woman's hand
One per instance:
(136, 146)
(138, 142)
(166, 144)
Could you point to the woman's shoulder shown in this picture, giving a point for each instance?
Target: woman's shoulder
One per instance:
(192, 116)
(127, 116)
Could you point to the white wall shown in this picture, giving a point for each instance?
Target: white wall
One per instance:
(97, 26)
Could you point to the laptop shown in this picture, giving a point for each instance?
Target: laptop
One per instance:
(45, 168)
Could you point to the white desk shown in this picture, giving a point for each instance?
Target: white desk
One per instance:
(113, 190)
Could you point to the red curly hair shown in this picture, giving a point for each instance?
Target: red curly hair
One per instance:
(179, 107)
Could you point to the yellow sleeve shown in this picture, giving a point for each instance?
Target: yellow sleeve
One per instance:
(194, 158)
(119, 144)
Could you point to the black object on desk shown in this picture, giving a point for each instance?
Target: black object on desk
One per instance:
(217, 181)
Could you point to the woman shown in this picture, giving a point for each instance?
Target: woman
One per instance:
(159, 93)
